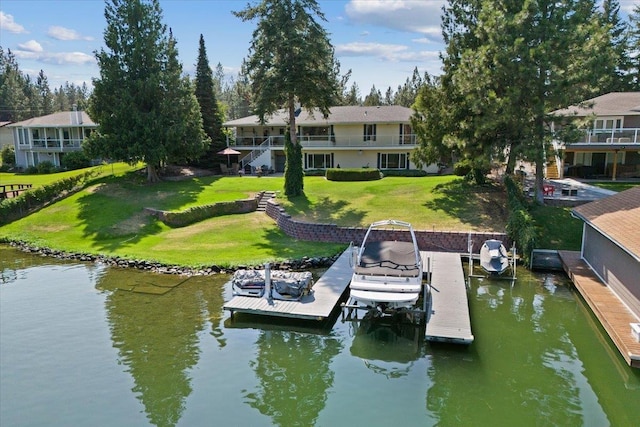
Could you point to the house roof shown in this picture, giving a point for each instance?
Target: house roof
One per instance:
(338, 115)
(61, 119)
(617, 217)
(611, 104)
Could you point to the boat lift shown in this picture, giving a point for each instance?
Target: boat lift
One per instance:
(416, 315)
(472, 256)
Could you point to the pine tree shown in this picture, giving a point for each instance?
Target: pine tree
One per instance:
(146, 111)
(206, 95)
(291, 62)
(634, 46)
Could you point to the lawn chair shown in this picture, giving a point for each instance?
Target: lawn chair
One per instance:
(224, 169)
(548, 190)
(235, 169)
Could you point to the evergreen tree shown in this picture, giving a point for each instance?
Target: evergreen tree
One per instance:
(634, 48)
(145, 109)
(291, 61)
(374, 98)
(14, 105)
(211, 117)
(618, 66)
(352, 96)
(45, 93)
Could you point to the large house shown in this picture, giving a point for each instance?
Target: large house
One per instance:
(48, 138)
(609, 146)
(350, 137)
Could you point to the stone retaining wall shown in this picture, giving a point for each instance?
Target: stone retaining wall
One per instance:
(447, 241)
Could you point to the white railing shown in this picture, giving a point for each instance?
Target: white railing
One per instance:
(612, 136)
(329, 141)
(54, 144)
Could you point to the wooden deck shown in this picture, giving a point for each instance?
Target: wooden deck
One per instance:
(448, 318)
(614, 316)
(316, 306)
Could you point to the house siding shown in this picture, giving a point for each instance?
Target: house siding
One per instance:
(615, 267)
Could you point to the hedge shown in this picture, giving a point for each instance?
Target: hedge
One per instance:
(404, 172)
(521, 226)
(35, 198)
(364, 174)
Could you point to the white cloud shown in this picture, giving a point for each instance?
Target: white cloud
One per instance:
(419, 16)
(7, 23)
(31, 46)
(385, 52)
(62, 33)
(60, 58)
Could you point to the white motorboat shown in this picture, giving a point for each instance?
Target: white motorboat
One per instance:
(387, 274)
(284, 285)
(494, 258)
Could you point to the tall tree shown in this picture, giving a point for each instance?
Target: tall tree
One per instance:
(374, 98)
(634, 48)
(509, 63)
(146, 110)
(618, 65)
(206, 95)
(291, 62)
(45, 93)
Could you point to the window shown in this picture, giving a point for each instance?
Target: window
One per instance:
(318, 161)
(370, 132)
(608, 124)
(405, 134)
(393, 161)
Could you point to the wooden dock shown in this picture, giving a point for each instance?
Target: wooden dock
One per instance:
(448, 318)
(614, 316)
(318, 305)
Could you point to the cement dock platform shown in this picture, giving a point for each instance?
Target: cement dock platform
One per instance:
(318, 305)
(447, 317)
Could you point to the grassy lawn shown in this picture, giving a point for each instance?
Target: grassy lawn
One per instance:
(108, 218)
(558, 229)
(38, 180)
(615, 186)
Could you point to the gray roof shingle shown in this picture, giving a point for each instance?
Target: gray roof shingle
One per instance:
(338, 115)
(611, 104)
(61, 119)
(617, 216)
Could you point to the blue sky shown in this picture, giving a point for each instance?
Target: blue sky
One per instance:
(381, 41)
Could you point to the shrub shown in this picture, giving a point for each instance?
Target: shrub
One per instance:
(45, 167)
(404, 172)
(462, 168)
(8, 155)
(31, 170)
(364, 174)
(521, 226)
(75, 160)
(315, 172)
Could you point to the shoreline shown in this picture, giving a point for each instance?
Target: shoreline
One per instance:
(160, 268)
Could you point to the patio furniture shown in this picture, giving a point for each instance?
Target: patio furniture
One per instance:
(548, 190)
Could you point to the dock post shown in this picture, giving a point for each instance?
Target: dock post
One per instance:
(267, 281)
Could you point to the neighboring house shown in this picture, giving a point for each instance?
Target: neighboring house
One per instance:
(610, 144)
(611, 243)
(6, 136)
(48, 138)
(351, 137)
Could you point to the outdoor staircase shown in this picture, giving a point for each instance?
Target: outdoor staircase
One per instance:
(552, 169)
(262, 203)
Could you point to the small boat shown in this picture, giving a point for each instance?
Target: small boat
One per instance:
(387, 274)
(285, 285)
(494, 258)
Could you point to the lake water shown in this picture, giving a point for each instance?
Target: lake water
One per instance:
(86, 345)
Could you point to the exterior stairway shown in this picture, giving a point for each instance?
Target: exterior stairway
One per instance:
(552, 169)
(262, 203)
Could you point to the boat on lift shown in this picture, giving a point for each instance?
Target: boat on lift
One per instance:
(387, 270)
(494, 258)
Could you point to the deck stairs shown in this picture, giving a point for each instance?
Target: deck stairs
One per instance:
(552, 169)
(266, 196)
(254, 154)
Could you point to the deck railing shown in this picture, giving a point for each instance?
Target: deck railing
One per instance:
(327, 141)
(54, 144)
(611, 136)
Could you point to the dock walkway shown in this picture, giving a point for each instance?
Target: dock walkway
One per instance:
(614, 316)
(448, 318)
(318, 305)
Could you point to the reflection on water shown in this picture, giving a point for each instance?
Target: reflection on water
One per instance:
(102, 346)
(157, 337)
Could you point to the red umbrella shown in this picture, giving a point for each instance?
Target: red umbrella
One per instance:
(228, 152)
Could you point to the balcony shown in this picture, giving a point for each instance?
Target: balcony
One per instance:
(53, 144)
(624, 136)
(322, 141)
